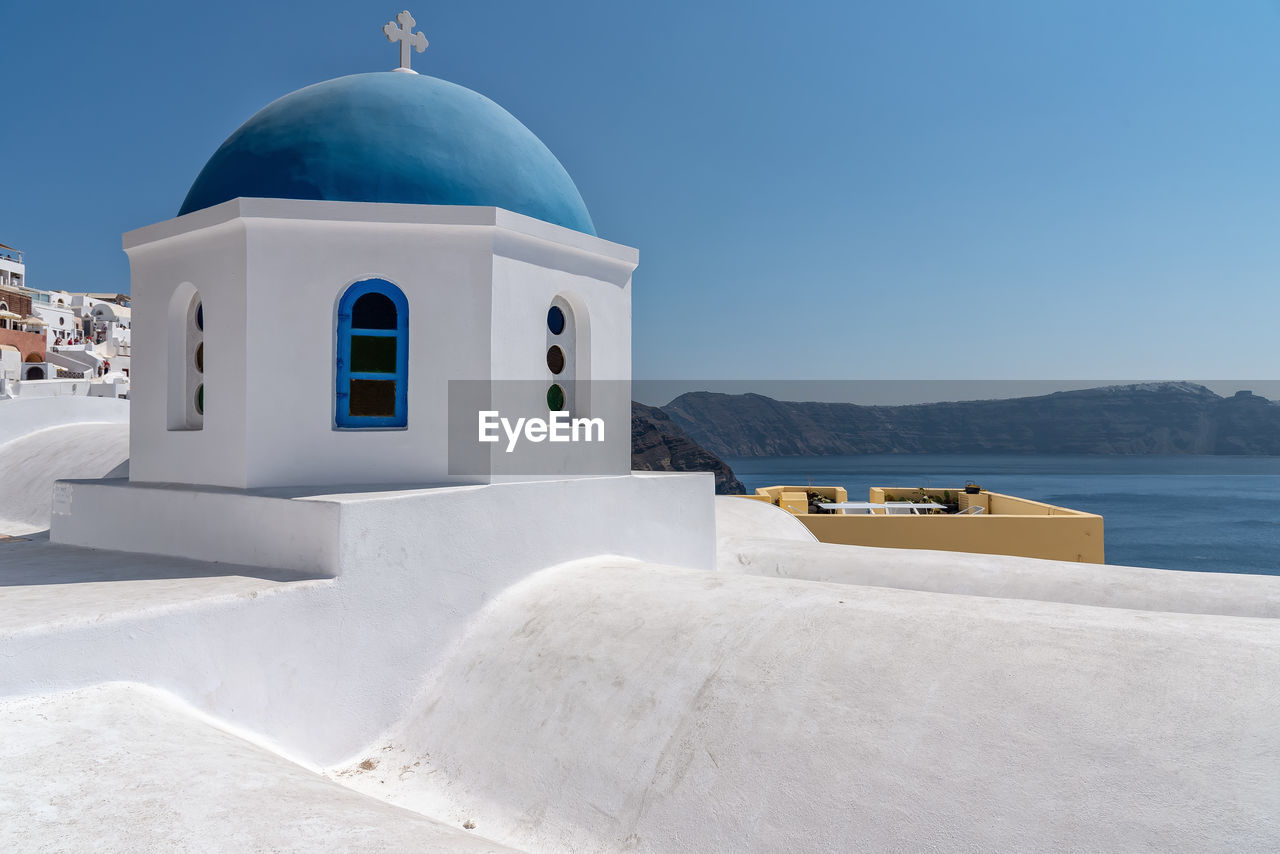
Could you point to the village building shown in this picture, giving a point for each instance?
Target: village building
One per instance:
(53, 341)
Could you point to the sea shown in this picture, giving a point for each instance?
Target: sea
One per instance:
(1200, 513)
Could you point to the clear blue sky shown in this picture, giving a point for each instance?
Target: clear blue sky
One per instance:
(864, 190)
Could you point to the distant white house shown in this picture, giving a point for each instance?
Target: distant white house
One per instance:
(61, 321)
(13, 273)
(112, 328)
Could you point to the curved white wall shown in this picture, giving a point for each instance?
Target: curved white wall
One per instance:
(32, 462)
(610, 706)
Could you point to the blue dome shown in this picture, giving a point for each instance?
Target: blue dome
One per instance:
(391, 137)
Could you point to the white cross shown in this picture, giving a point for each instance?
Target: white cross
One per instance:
(407, 38)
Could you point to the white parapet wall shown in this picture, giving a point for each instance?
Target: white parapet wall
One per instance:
(665, 518)
(209, 524)
(34, 389)
(316, 670)
(20, 417)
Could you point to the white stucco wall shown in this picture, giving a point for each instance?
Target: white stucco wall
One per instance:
(598, 340)
(472, 313)
(212, 524)
(35, 389)
(10, 363)
(20, 417)
(413, 568)
(613, 707)
(46, 438)
(740, 517)
(212, 260)
(30, 464)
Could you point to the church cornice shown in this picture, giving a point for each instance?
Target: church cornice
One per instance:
(514, 235)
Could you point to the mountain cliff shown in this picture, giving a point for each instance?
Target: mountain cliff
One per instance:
(1149, 418)
(658, 444)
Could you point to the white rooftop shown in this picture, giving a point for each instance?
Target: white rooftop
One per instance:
(478, 693)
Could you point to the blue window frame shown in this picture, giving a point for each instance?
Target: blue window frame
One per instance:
(373, 357)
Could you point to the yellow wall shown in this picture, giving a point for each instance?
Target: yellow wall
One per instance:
(1007, 526)
(829, 493)
(1076, 538)
(794, 502)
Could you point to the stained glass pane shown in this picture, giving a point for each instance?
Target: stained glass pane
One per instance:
(200, 399)
(200, 357)
(370, 354)
(373, 398)
(373, 311)
(555, 320)
(555, 360)
(555, 398)
(200, 317)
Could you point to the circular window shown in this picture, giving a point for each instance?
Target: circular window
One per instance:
(62, 321)
(555, 398)
(200, 357)
(555, 360)
(200, 398)
(555, 320)
(200, 317)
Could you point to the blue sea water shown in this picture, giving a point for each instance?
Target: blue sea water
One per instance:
(1202, 513)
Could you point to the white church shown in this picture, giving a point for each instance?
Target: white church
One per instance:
(448, 258)
(417, 226)
(324, 615)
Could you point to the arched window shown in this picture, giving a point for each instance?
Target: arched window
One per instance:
(563, 392)
(186, 359)
(372, 356)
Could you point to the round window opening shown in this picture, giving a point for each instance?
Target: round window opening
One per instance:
(200, 317)
(200, 357)
(555, 320)
(555, 398)
(555, 360)
(62, 321)
(200, 398)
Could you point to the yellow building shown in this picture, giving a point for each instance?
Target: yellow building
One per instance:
(956, 520)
